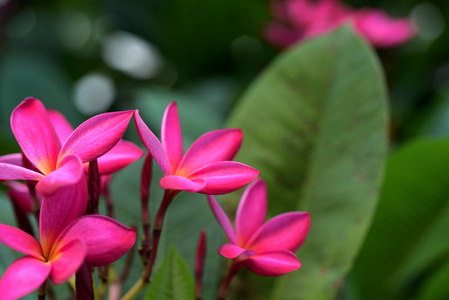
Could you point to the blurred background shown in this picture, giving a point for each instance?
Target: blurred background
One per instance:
(88, 57)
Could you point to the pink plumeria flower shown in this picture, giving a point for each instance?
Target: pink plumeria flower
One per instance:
(298, 20)
(121, 155)
(59, 164)
(265, 248)
(67, 239)
(206, 167)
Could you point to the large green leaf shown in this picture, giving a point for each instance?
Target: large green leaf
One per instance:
(173, 280)
(408, 238)
(314, 124)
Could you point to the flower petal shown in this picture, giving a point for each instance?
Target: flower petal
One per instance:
(123, 154)
(70, 171)
(15, 159)
(224, 177)
(96, 136)
(61, 125)
(171, 136)
(105, 239)
(173, 182)
(24, 276)
(230, 250)
(252, 211)
(66, 261)
(222, 219)
(286, 231)
(60, 210)
(274, 263)
(20, 241)
(382, 30)
(14, 172)
(36, 135)
(152, 144)
(214, 146)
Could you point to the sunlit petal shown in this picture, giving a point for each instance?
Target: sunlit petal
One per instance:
(14, 172)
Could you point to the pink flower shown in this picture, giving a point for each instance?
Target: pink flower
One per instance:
(298, 20)
(58, 164)
(206, 167)
(120, 156)
(265, 248)
(67, 239)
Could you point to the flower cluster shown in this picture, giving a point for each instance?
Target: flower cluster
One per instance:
(66, 170)
(297, 20)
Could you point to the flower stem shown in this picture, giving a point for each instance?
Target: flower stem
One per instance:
(227, 280)
(157, 230)
(42, 291)
(144, 199)
(135, 290)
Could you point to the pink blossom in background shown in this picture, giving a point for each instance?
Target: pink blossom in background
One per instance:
(67, 239)
(297, 20)
(56, 164)
(265, 248)
(206, 167)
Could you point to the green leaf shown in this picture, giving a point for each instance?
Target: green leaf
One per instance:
(435, 287)
(408, 238)
(315, 125)
(173, 280)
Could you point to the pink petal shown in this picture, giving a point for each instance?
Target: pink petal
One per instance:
(69, 172)
(230, 250)
(61, 125)
(14, 172)
(222, 219)
(60, 210)
(15, 159)
(171, 136)
(35, 134)
(211, 147)
(382, 30)
(152, 144)
(224, 177)
(20, 241)
(173, 182)
(274, 263)
(122, 155)
(252, 211)
(66, 261)
(106, 240)
(96, 136)
(24, 276)
(283, 232)
(19, 193)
